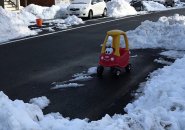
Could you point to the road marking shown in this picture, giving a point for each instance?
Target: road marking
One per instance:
(42, 35)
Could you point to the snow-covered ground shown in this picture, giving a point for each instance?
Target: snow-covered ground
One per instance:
(15, 25)
(161, 105)
(84, 76)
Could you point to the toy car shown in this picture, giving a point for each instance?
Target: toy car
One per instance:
(113, 55)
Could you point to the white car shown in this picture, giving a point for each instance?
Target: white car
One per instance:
(87, 8)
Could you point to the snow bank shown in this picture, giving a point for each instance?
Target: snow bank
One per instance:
(41, 102)
(163, 101)
(12, 26)
(119, 8)
(167, 32)
(55, 11)
(17, 115)
(15, 25)
(73, 20)
(153, 6)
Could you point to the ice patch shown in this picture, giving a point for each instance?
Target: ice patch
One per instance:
(162, 61)
(69, 85)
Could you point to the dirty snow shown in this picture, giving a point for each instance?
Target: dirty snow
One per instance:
(41, 102)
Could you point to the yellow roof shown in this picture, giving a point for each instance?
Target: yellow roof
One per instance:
(115, 32)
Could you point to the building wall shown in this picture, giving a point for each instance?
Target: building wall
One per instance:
(38, 2)
(2, 3)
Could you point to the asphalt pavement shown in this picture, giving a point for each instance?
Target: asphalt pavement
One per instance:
(29, 67)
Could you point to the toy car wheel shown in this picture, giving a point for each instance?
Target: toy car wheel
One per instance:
(116, 72)
(112, 69)
(128, 68)
(100, 70)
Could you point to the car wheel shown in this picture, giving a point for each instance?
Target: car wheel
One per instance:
(173, 4)
(142, 8)
(104, 13)
(116, 72)
(90, 16)
(128, 68)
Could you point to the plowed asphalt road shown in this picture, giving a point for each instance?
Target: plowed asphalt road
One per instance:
(29, 67)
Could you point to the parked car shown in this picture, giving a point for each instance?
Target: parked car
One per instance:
(87, 8)
(166, 2)
(137, 4)
(169, 3)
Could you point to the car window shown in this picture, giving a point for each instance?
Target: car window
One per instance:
(100, 0)
(122, 41)
(94, 1)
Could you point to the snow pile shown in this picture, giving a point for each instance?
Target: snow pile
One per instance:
(153, 6)
(167, 32)
(67, 22)
(119, 8)
(162, 105)
(52, 12)
(73, 20)
(17, 115)
(41, 102)
(11, 26)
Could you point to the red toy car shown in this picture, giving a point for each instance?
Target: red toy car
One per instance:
(113, 55)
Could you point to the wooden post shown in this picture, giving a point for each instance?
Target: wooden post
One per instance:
(18, 4)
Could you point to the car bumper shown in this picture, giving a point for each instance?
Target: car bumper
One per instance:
(78, 13)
